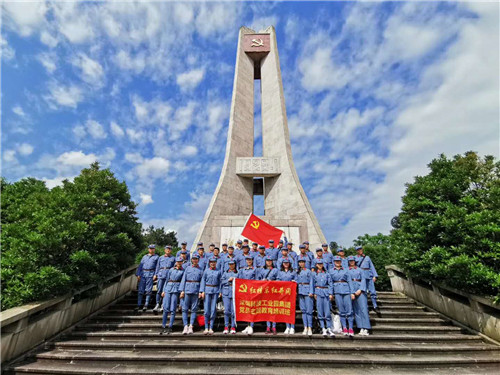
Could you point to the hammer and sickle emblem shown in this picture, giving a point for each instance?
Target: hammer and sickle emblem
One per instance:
(257, 43)
(243, 288)
(255, 224)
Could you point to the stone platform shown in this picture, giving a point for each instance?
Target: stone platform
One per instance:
(406, 338)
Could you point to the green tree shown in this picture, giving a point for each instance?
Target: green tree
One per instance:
(378, 248)
(159, 237)
(333, 246)
(61, 239)
(449, 226)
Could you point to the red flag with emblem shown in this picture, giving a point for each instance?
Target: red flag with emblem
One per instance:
(257, 230)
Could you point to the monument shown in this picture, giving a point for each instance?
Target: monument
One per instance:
(273, 175)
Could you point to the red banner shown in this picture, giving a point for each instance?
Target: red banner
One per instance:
(259, 231)
(258, 301)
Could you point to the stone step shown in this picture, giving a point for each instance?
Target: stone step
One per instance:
(95, 368)
(157, 318)
(383, 313)
(261, 336)
(270, 345)
(295, 358)
(401, 328)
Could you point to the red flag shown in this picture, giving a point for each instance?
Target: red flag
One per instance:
(257, 230)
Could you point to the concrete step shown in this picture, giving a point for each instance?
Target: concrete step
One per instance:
(234, 346)
(100, 368)
(158, 318)
(261, 336)
(401, 328)
(242, 358)
(383, 313)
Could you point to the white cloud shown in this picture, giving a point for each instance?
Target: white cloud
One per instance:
(74, 21)
(47, 39)
(18, 110)
(146, 199)
(63, 96)
(116, 130)
(9, 156)
(92, 72)
(191, 79)
(135, 63)
(24, 17)
(134, 157)
(189, 151)
(57, 181)
(48, 62)
(136, 136)
(25, 149)
(95, 129)
(443, 117)
(76, 159)
(151, 169)
(7, 52)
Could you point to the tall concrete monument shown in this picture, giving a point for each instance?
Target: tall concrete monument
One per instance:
(273, 175)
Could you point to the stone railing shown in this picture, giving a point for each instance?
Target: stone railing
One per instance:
(475, 312)
(27, 326)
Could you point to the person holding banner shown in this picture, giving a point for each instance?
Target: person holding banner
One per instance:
(323, 294)
(358, 288)
(306, 292)
(170, 294)
(286, 274)
(341, 288)
(227, 296)
(268, 273)
(190, 292)
(248, 273)
(210, 289)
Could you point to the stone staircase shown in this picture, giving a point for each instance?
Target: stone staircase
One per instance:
(406, 339)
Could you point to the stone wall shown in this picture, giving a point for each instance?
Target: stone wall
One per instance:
(475, 312)
(27, 326)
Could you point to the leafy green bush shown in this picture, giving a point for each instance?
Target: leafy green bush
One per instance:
(62, 239)
(449, 226)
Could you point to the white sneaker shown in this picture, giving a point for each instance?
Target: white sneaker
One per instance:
(161, 309)
(305, 331)
(190, 330)
(287, 331)
(205, 332)
(156, 307)
(325, 332)
(226, 331)
(210, 331)
(186, 330)
(330, 331)
(291, 331)
(245, 330)
(250, 331)
(309, 331)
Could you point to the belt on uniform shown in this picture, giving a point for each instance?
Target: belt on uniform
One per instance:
(340, 281)
(192, 281)
(365, 268)
(211, 285)
(305, 284)
(149, 269)
(322, 287)
(358, 280)
(173, 281)
(260, 267)
(164, 268)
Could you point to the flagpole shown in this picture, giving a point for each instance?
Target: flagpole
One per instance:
(246, 221)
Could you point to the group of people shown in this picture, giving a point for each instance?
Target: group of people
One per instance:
(321, 278)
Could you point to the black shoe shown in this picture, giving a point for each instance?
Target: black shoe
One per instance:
(377, 311)
(144, 309)
(169, 330)
(136, 309)
(164, 331)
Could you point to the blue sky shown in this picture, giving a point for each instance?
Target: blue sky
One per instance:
(374, 91)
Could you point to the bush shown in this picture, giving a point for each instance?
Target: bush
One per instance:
(62, 239)
(449, 226)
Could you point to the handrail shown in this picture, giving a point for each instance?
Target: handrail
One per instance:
(14, 314)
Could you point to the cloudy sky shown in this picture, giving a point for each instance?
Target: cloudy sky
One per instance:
(374, 91)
